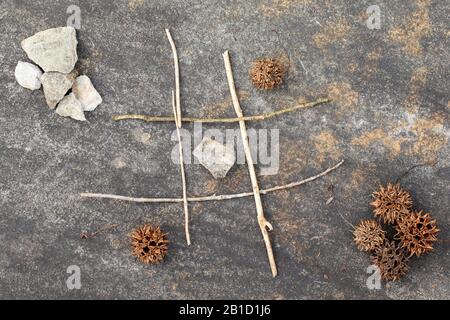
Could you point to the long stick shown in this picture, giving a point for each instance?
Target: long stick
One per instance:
(149, 118)
(210, 198)
(183, 176)
(263, 223)
(176, 104)
(177, 77)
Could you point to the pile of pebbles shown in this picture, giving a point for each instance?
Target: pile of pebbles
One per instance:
(55, 53)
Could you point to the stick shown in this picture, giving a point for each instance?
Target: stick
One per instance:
(183, 176)
(177, 78)
(264, 225)
(86, 235)
(176, 105)
(149, 118)
(404, 174)
(210, 198)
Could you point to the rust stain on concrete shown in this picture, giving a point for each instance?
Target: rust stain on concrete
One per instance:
(327, 146)
(353, 66)
(89, 63)
(417, 83)
(359, 176)
(277, 8)
(393, 145)
(293, 157)
(333, 32)
(343, 94)
(372, 62)
(210, 186)
(427, 137)
(237, 181)
(221, 107)
(411, 32)
(431, 137)
(197, 207)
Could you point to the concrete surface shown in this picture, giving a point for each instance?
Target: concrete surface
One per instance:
(390, 111)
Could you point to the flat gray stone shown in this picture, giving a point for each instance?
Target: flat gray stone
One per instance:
(85, 92)
(71, 107)
(56, 85)
(215, 157)
(53, 49)
(28, 75)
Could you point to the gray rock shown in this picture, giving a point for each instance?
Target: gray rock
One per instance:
(28, 75)
(85, 92)
(53, 49)
(56, 86)
(71, 107)
(215, 157)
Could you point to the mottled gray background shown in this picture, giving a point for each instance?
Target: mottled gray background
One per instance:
(390, 111)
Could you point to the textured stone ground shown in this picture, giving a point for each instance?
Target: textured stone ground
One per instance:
(390, 111)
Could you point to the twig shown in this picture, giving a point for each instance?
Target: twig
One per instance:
(86, 235)
(404, 174)
(263, 223)
(210, 198)
(183, 176)
(303, 66)
(177, 78)
(149, 118)
(294, 184)
(176, 105)
(346, 221)
(331, 190)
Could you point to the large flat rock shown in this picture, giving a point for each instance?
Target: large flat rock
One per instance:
(53, 49)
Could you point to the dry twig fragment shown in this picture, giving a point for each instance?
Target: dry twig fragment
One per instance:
(183, 176)
(260, 117)
(176, 104)
(87, 235)
(214, 197)
(177, 77)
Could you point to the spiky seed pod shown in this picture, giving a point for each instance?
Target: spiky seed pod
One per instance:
(391, 203)
(392, 261)
(266, 73)
(149, 244)
(369, 235)
(417, 232)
